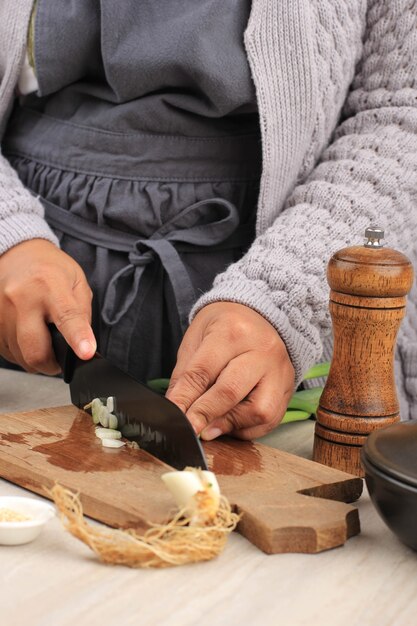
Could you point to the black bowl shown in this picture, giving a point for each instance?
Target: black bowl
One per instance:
(389, 458)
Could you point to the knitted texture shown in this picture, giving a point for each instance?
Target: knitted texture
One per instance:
(366, 174)
(21, 215)
(336, 86)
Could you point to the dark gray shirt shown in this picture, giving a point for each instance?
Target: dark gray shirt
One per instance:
(167, 66)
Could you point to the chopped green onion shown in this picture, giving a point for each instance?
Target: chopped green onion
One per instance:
(113, 421)
(96, 409)
(104, 417)
(105, 433)
(112, 443)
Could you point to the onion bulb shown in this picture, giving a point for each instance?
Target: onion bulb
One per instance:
(185, 485)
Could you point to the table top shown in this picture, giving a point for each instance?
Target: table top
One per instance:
(372, 580)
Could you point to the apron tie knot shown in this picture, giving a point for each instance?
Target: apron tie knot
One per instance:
(204, 224)
(140, 256)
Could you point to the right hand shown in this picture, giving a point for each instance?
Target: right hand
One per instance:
(40, 284)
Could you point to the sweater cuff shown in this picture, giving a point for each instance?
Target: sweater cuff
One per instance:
(301, 352)
(21, 227)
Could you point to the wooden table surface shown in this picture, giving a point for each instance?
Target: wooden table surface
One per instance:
(56, 580)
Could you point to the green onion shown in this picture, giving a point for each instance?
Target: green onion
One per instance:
(295, 416)
(306, 399)
(317, 371)
(112, 421)
(160, 385)
(302, 405)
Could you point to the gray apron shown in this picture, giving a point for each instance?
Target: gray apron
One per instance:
(151, 212)
(148, 245)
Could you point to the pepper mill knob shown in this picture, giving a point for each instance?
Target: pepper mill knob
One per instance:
(369, 284)
(373, 236)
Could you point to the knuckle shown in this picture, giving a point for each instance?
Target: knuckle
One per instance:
(13, 292)
(265, 412)
(263, 418)
(230, 391)
(66, 315)
(36, 282)
(238, 329)
(44, 274)
(271, 342)
(203, 412)
(197, 378)
(34, 359)
(234, 421)
(35, 356)
(43, 277)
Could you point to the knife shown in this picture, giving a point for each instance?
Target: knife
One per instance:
(144, 416)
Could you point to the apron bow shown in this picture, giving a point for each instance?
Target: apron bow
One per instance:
(193, 225)
(207, 223)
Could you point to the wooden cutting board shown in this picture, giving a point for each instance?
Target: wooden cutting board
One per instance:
(289, 504)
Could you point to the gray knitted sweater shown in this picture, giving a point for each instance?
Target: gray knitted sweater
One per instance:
(336, 84)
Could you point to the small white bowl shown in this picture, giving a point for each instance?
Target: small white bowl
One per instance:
(15, 533)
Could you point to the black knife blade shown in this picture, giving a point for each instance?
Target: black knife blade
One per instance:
(156, 423)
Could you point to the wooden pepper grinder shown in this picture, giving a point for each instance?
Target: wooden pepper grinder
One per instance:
(368, 284)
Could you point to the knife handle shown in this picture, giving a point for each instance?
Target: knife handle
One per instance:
(63, 353)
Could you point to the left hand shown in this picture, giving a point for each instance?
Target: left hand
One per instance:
(233, 373)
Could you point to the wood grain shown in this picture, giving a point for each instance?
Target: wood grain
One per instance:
(370, 272)
(288, 504)
(367, 304)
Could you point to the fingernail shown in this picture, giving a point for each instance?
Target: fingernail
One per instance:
(86, 348)
(211, 433)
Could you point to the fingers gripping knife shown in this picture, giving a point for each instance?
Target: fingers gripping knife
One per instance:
(368, 284)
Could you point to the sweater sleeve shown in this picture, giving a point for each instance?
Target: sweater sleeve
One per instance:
(368, 174)
(21, 214)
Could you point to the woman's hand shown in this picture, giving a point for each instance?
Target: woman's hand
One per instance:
(40, 284)
(233, 373)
